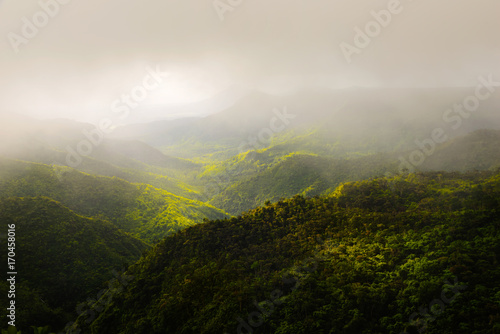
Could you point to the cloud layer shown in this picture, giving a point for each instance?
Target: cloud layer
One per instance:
(89, 53)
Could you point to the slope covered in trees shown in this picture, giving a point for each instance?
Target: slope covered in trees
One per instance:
(233, 164)
(293, 174)
(252, 178)
(61, 258)
(140, 209)
(408, 253)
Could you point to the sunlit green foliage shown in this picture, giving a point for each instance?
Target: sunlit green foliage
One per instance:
(139, 209)
(362, 260)
(293, 174)
(291, 167)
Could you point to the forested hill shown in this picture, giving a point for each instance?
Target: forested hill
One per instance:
(273, 173)
(144, 211)
(413, 252)
(63, 258)
(304, 174)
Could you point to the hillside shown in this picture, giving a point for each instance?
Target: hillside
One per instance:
(478, 150)
(140, 209)
(75, 144)
(61, 258)
(252, 178)
(154, 180)
(294, 174)
(412, 252)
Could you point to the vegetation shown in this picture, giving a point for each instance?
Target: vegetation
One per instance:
(412, 252)
(140, 209)
(293, 174)
(415, 252)
(248, 180)
(61, 258)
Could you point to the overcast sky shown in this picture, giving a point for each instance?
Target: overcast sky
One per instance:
(91, 52)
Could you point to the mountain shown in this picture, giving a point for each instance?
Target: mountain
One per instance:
(294, 174)
(359, 119)
(250, 179)
(61, 258)
(387, 244)
(205, 158)
(144, 211)
(408, 253)
(82, 146)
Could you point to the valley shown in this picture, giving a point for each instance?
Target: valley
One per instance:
(208, 215)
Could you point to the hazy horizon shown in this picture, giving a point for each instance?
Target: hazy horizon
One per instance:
(81, 57)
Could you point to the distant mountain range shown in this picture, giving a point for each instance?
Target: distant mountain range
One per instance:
(142, 183)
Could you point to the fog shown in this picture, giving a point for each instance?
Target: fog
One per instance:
(87, 54)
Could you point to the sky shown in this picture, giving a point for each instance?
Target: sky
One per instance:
(78, 59)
